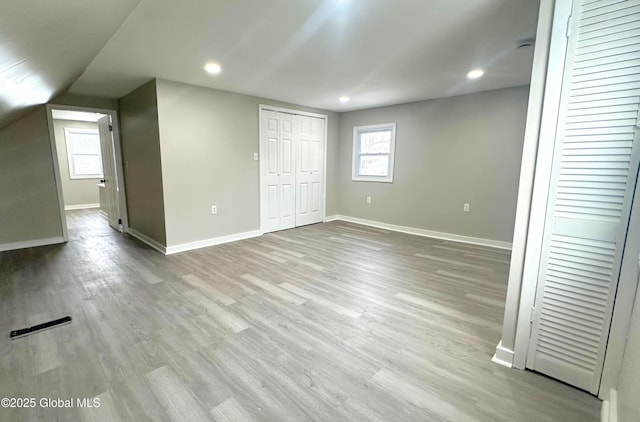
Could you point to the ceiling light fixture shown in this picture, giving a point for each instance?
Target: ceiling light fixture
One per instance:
(344, 99)
(475, 74)
(213, 68)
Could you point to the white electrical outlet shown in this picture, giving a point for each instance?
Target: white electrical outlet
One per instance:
(255, 156)
(368, 199)
(214, 209)
(467, 207)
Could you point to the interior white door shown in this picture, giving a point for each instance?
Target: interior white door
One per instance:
(278, 171)
(109, 171)
(594, 170)
(287, 172)
(310, 138)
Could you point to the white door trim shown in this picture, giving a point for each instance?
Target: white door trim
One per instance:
(542, 179)
(122, 197)
(263, 107)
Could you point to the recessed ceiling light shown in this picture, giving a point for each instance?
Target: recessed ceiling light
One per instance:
(475, 74)
(344, 99)
(213, 68)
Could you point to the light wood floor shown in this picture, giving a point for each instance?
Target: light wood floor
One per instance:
(330, 322)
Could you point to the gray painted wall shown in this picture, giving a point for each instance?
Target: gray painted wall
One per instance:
(140, 139)
(208, 138)
(29, 208)
(449, 151)
(74, 191)
(629, 382)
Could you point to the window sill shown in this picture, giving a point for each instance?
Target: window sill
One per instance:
(372, 179)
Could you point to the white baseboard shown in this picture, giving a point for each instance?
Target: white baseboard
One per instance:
(503, 356)
(330, 218)
(609, 411)
(422, 232)
(80, 207)
(104, 214)
(211, 242)
(31, 243)
(149, 241)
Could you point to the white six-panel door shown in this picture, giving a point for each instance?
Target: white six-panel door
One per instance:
(277, 190)
(292, 170)
(309, 170)
(594, 170)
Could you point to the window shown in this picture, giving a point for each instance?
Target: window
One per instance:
(83, 150)
(373, 148)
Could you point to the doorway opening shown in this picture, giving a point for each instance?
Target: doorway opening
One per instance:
(88, 170)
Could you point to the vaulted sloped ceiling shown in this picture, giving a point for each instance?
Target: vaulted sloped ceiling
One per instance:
(308, 52)
(311, 52)
(46, 44)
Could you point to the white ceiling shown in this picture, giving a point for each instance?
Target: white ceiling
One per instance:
(310, 52)
(45, 45)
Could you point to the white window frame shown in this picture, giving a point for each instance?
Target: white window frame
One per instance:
(68, 134)
(355, 161)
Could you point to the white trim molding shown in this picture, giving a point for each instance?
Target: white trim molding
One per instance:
(425, 233)
(149, 241)
(522, 289)
(211, 242)
(609, 410)
(80, 207)
(503, 356)
(31, 243)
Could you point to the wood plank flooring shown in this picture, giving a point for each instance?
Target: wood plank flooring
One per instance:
(330, 322)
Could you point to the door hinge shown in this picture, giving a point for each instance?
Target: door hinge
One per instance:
(533, 313)
(110, 128)
(569, 23)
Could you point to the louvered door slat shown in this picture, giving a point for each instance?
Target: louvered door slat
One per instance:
(579, 350)
(587, 289)
(593, 175)
(557, 317)
(607, 62)
(570, 331)
(577, 106)
(603, 115)
(607, 66)
(625, 36)
(608, 10)
(606, 27)
(588, 5)
(585, 112)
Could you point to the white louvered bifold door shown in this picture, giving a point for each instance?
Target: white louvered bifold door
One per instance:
(595, 166)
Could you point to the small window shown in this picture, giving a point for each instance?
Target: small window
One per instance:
(83, 150)
(373, 148)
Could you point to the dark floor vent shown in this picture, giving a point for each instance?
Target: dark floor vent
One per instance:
(40, 327)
